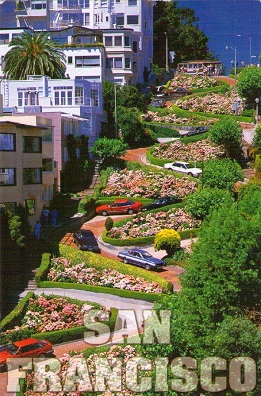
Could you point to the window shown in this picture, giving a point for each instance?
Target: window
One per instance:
(132, 19)
(4, 38)
(95, 96)
(109, 63)
(30, 206)
(85, 61)
(126, 41)
(79, 99)
(32, 144)
(63, 96)
(8, 207)
(47, 164)
(32, 175)
(118, 41)
(26, 96)
(70, 60)
(132, 2)
(84, 3)
(127, 63)
(118, 63)
(47, 135)
(108, 41)
(7, 176)
(87, 19)
(7, 142)
(135, 46)
(119, 20)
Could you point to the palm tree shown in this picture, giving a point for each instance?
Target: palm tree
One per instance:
(33, 54)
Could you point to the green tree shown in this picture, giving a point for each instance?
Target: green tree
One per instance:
(201, 203)
(107, 149)
(132, 129)
(249, 84)
(168, 240)
(15, 224)
(33, 54)
(221, 173)
(184, 35)
(227, 132)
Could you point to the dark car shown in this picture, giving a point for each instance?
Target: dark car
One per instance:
(163, 201)
(157, 102)
(29, 347)
(141, 258)
(121, 206)
(198, 130)
(85, 240)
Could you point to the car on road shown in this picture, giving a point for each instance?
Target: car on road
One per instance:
(141, 258)
(163, 201)
(183, 167)
(85, 240)
(29, 347)
(197, 130)
(120, 206)
(157, 102)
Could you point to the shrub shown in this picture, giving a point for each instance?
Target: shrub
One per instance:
(221, 173)
(15, 316)
(108, 223)
(86, 205)
(202, 202)
(44, 267)
(168, 240)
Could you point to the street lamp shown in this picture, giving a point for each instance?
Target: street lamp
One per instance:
(235, 64)
(257, 102)
(167, 52)
(115, 110)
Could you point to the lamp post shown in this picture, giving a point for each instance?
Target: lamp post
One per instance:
(257, 102)
(167, 52)
(115, 110)
(250, 50)
(235, 62)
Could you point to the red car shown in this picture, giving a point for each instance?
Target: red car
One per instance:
(121, 206)
(29, 347)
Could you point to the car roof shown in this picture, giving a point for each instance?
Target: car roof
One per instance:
(181, 162)
(121, 200)
(27, 341)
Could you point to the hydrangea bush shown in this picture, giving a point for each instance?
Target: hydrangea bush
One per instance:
(63, 270)
(192, 82)
(137, 183)
(144, 225)
(199, 151)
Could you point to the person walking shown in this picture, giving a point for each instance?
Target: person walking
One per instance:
(54, 215)
(37, 229)
(46, 213)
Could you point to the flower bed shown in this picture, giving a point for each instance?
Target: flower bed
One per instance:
(178, 151)
(85, 360)
(172, 118)
(192, 82)
(47, 313)
(211, 103)
(63, 270)
(147, 184)
(145, 225)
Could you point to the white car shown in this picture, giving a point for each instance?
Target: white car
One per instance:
(183, 167)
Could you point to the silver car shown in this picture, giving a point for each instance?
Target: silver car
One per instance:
(183, 167)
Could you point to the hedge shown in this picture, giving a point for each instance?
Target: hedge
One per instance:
(17, 314)
(42, 271)
(136, 295)
(186, 234)
(258, 166)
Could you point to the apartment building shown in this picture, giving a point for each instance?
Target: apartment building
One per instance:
(117, 15)
(27, 171)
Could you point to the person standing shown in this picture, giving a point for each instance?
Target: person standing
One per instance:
(54, 215)
(46, 213)
(37, 229)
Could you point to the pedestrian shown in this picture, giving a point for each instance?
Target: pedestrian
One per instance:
(54, 215)
(37, 229)
(46, 213)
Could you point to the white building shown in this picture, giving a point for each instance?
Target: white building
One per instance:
(105, 15)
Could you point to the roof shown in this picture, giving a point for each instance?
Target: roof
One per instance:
(27, 341)
(20, 124)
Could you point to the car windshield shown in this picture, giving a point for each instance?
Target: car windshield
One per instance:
(86, 234)
(146, 255)
(189, 166)
(11, 348)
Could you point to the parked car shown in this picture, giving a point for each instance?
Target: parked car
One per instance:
(198, 130)
(183, 167)
(163, 201)
(121, 206)
(157, 102)
(141, 258)
(29, 347)
(85, 240)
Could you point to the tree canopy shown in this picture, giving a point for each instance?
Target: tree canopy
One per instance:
(107, 149)
(184, 36)
(227, 132)
(33, 54)
(249, 84)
